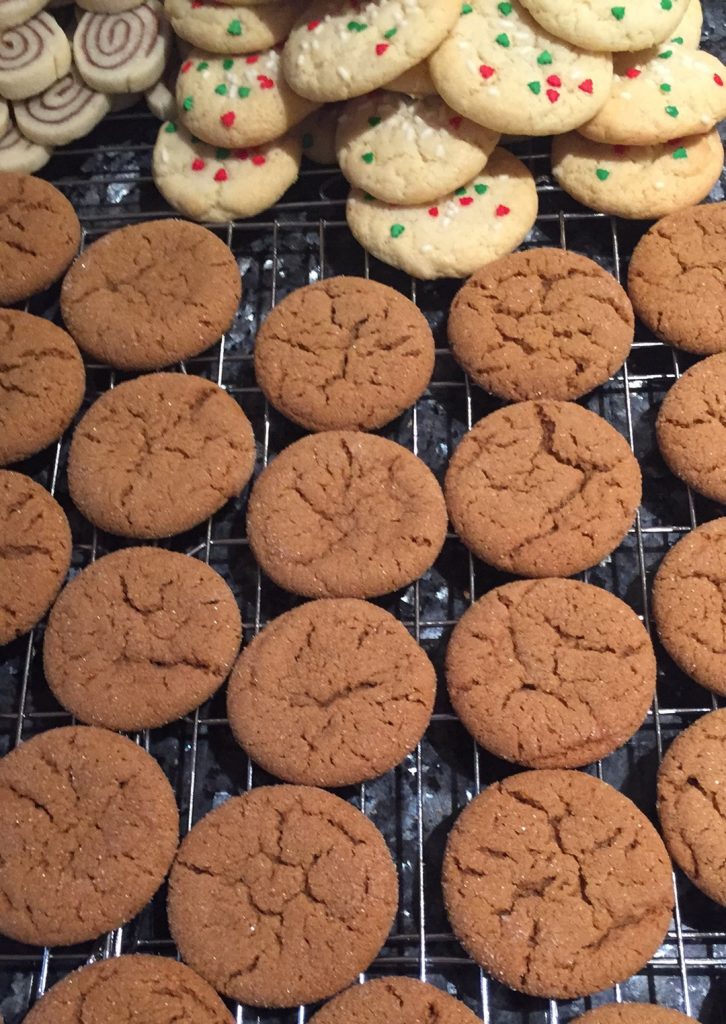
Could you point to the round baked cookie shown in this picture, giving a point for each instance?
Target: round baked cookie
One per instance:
(344, 353)
(32, 57)
(220, 28)
(543, 323)
(20, 155)
(140, 638)
(557, 884)
(638, 182)
(346, 514)
(689, 592)
(317, 134)
(152, 988)
(632, 1013)
(65, 111)
(123, 52)
(678, 92)
(35, 553)
(161, 97)
(216, 184)
(15, 12)
(157, 455)
(417, 81)
(4, 117)
(686, 33)
(340, 48)
(676, 281)
(42, 381)
(691, 803)
(39, 234)
(332, 693)
(409, 151)
(394, 999)
(282, 896)
(550, 673)
(499, 68)
(481, 221)
(150, 294)
(598, 25)
(543, 489)
(237, 101)
(107, 6)
(88, 830)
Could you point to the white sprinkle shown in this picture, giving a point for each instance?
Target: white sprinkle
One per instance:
(427, 248)
(343, 73)
(659, 186)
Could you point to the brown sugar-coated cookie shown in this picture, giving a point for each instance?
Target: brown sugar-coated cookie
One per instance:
(344, 354)
(153, 989)
(394, 999)
(633, 1013)
(148, 295)
(331, 693)
(35, 553)
(41, 381)
(541, 324)
(550, 673)
(140, 638)
(557, 884)
(692, 805)
(689, 604)
(39, 236)
(282, 896)
(88, 830)
(346, 514)
(158, 455)
(691, 428)
(676, 280)
(543, 489)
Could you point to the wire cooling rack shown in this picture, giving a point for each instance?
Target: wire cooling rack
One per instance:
(305, 238)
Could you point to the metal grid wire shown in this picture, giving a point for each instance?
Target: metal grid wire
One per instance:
(303, 239)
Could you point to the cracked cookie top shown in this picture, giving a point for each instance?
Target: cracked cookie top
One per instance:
(633, 1013)
(157, 455)
(282, 896)
(344, 354)
(692, 803)
(150, 294)
(88, 829)
(332, 693)
(541, 324)
(346, 514)
(154, 989)
(550, 673)
(543, 489)
(557, 884)
(402, 1000)
(35, 553)
(689, 604)
(39, 236)
(140, 638)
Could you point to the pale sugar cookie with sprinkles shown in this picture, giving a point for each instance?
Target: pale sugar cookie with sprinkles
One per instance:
(344, 48)
(317, 134)
(221, 28)
(453, 237)
(603, 25)
(217, 184)
(417, 81)
(237, 101)
(686, 33)
(20, 154)
(501, 69)
(125, 52)
(32, 57)
(638, 182)
(65, 111)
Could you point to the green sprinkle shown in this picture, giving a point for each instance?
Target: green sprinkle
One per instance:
(681, 153)
(545, 57)
(222, 154)
(503, 39)
(602, 174)
(188, 103)
(202, 65)
(678, 39)
(368, 158)
(356, 26)
(535, 87)
(618, 12)
(481, 190)
(672, 111)
(234, 28)
(243, 92)
(666, 54)
(221, 90)
(374, 121)
(460, 192)
(667, 5)
(390, 34)
(170, 127)
(466, 8)
(397, 230)
(505, 9)
(368, 197)
(665, 87)
(307, 140)
(227, 63)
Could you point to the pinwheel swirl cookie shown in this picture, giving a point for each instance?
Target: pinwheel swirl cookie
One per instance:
(20, 154)
(32, 57)
(121, 53)
(15, 12)
(65, 111)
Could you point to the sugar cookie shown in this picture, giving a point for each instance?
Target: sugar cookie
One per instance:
(32, 57)
(686, 33)
(219, 28)
(599, 25)
(417, 81)
(317, 134)
(65, 111)
(125, 52)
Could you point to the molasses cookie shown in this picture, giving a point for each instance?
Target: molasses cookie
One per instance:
(35, 553)
(42, 381)
(346, 514)
(344, 354)
(88, 830)
(557, 884)
(691, 803)
(282, 896)
(689, 596)
(633, 1013)
(151, 294)
(158, 455)
(39, 236)
(543, 489)
(140, 638)
(550, 673)
(394, 999)
(150, 988)
(541, 324)
(330, 694)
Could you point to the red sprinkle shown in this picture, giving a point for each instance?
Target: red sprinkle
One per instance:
(197, 165)
(241, 154)
(228, 119)
(252, 59)
(186, 65)
(221, 175)
(503, 211)
(265, 82)
(555, 80)
(381, 49)
(633, 73)
(455, 122)
(434, 211)
(552, 95)
(485, 71)
(718, 80)
(586, 86)
(258, 160)
(466, 201)
(312, 25)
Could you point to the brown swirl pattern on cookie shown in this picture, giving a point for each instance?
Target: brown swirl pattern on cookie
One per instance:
(61, 102)
(109, 41)
(25, 44)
